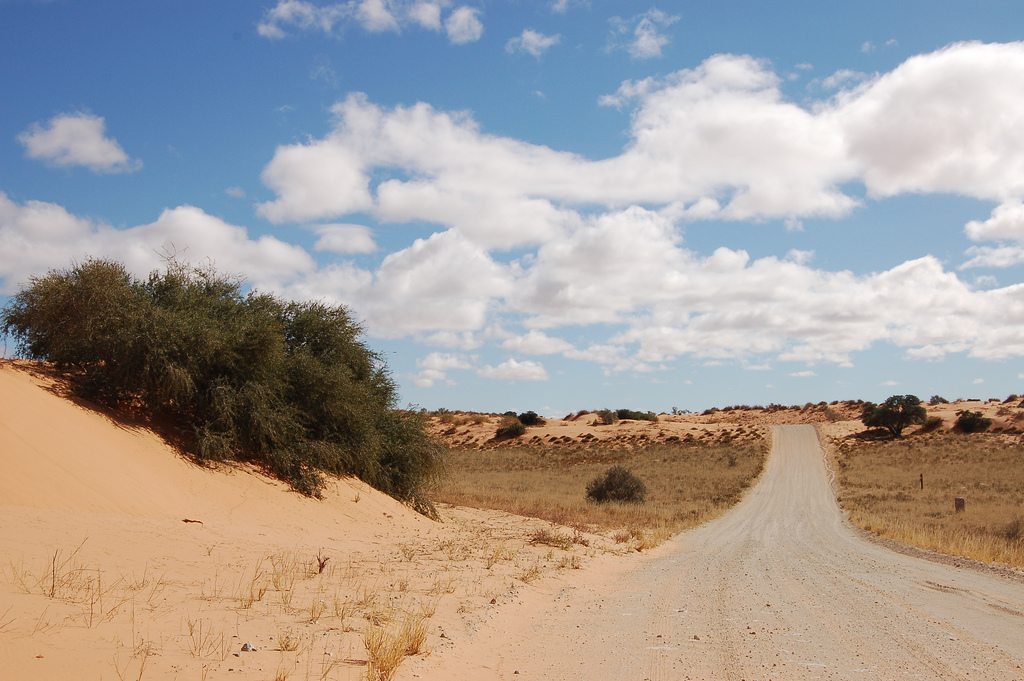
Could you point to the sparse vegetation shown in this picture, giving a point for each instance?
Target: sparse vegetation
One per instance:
(239, 376)
(618, 484)
(881, 491)
(687, 483)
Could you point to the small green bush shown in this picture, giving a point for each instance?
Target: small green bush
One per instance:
(607, 417)
(512, 428)
(530, 418)
(617, 484)
(971, 421)
(931, 423)
(938, 399)
(629, 414)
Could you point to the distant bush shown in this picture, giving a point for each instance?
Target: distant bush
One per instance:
(628, 414)
(607, 417)
(931, 423)
(938, 399)
(510, 428)
(617, 484)
(530, 418)
(971, 421)
(288, 386)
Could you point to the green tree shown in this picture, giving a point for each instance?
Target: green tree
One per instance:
(895, 414)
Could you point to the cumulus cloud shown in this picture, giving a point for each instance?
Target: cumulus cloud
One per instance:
(77, 139)
(536, 342)
(435, 367)
(719, 141)
(464, 26)
(511, 370)
(38, 236)
(645, 39)
(374, 16)
(532, 42)
(344, 239)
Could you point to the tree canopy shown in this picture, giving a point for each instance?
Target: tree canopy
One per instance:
(895, 414)
(240, 376)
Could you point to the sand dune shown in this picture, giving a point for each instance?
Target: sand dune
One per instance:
(102, 578)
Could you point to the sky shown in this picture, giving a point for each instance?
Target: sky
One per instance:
(553, 205)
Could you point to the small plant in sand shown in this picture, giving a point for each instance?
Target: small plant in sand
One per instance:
(552, 538)
(617, 484)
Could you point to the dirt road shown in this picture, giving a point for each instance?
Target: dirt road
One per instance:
(781, 587)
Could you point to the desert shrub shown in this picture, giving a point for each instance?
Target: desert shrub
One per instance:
(1012, 398)
(530, 418)
(511, 428)
(971, 421)
(607, 417)
(239, 376)
(895, 414)
(629, 414)
(931, 423)
(617, 484)
(938, 399)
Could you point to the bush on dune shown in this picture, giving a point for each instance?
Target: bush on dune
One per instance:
(241, 376)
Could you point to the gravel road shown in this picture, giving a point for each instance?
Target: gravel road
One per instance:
(781, 587)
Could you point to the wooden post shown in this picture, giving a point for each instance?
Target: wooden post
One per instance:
(958, 504)
(922, 480)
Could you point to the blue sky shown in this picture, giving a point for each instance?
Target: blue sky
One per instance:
(553, 205)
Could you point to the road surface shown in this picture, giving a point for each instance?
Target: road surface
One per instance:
(780, 587)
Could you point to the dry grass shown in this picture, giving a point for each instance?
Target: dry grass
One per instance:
(686, 484)
(881, 491)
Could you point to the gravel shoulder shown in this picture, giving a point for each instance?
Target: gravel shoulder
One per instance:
(780, 587)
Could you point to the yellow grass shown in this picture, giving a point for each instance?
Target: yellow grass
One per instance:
(881, 491)
(686, 484)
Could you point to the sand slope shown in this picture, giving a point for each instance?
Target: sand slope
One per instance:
(102, 578)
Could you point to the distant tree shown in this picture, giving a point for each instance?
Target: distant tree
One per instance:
(938, 399)
(895, 414)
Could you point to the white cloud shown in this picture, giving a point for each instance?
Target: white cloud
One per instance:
(345, 239)
(536, 342)
(511, 370)
(645, 39)
(434, 368)
(532, 42)
(464, 26)
(803, 374)
(305, 16)
(37, 236)
(235, 192)
(719, 141)
(1005, 224)
(373, 16)
(843, 77)
(427, 15)
(441, 361)
(77, 139)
